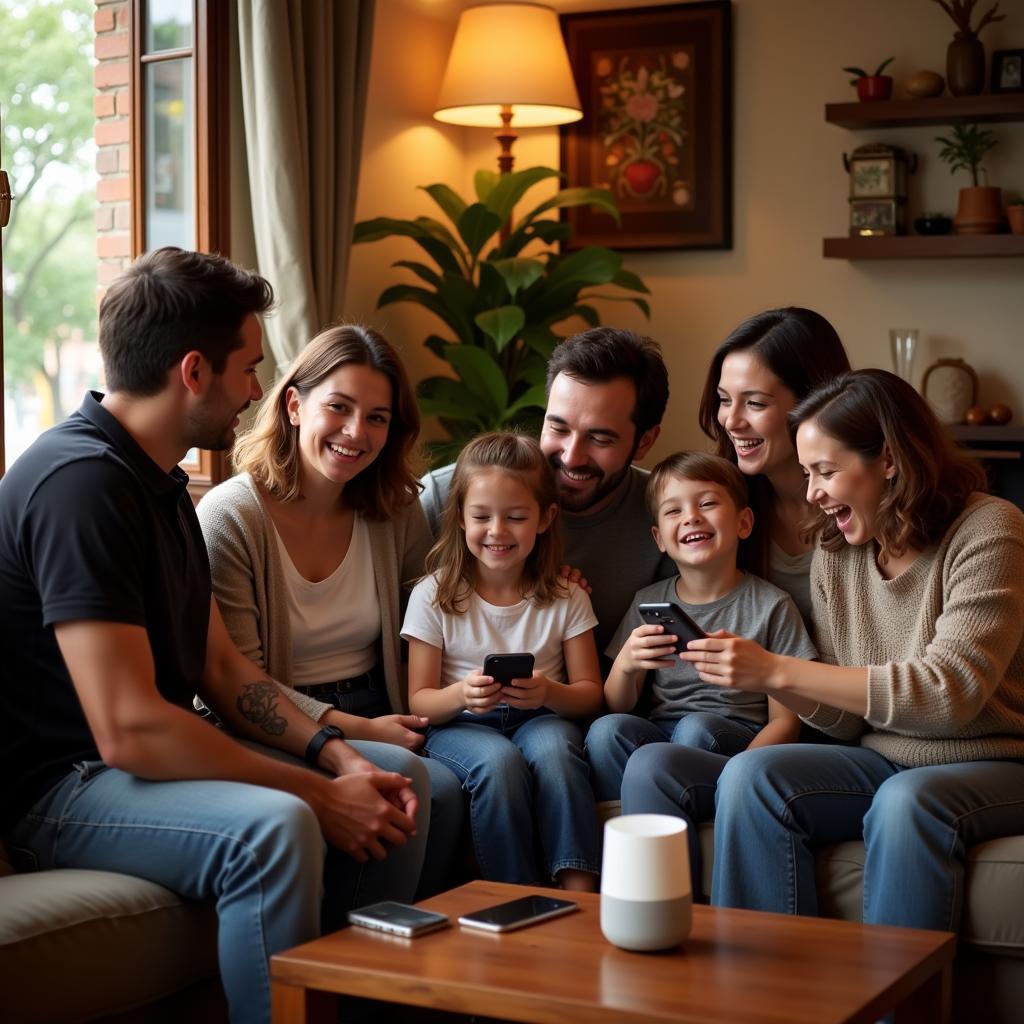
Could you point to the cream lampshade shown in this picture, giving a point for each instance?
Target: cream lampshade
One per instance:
(508, 64)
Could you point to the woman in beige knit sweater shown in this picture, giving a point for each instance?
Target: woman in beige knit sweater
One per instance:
(918, 591)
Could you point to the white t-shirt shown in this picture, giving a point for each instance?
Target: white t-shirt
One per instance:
(334, 623)
(485, 628)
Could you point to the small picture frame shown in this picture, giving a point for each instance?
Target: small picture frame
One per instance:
(1008, 71)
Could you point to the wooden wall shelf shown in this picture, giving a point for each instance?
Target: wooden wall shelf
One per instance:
(907, 247)
(939, 110)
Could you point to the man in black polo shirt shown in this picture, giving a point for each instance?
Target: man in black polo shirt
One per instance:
(109, 628)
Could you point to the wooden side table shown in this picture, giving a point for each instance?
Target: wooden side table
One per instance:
(737, 965)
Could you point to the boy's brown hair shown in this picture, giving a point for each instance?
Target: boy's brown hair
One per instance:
(702, 467)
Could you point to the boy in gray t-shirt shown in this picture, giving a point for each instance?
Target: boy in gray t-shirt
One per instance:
(700, 505)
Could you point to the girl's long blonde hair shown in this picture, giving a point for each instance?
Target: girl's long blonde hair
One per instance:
(450, 559)
(269, 451)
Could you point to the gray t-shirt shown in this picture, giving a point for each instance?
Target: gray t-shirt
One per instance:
(613, 548)
(755, 609)
(792, 573)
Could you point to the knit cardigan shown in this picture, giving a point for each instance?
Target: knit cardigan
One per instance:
(249, 584)
(944, 641)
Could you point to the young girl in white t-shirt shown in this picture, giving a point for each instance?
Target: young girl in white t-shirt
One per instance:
(493, 587)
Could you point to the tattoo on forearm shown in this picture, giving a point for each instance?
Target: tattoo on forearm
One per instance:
(258, 704)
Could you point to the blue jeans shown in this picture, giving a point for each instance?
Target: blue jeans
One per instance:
(447, 803)
(777, 804)
(257, 852)
(612, 739)
(663, 778)
(527, 780)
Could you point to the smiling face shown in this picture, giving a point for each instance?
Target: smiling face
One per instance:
(841, 483)
(699, 524)
(501, 520)
(590, 439)
(343, 422)
(753, 404)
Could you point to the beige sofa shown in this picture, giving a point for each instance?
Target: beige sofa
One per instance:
(98, 946)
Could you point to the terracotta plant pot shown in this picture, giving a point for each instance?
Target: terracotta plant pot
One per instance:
(980, 211)
(965, 65)
(874, 87)
(1015, 215)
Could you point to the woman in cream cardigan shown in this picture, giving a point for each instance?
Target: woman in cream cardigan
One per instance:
(312, 542)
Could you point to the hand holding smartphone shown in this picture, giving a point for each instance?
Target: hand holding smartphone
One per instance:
(507, 917)
(676, 622)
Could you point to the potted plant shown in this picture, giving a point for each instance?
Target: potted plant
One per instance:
(965, 56)
(501, 307)
(980, 211)
(872, 87)
(1015, 215)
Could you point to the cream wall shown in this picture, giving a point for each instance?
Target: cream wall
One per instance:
(789, 192)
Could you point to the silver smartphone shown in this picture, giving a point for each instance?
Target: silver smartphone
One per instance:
(398, 919)
(506, 917)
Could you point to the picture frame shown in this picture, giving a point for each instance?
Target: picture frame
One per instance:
(655, 84)
(1008, 71)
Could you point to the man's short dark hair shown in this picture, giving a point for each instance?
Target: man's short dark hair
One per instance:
(602, 354)
(169, 302)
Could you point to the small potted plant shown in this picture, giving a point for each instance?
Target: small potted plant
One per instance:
(872, 87)
(1015, 215)
(980, 211)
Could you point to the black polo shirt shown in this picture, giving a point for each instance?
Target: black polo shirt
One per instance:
(90, 529)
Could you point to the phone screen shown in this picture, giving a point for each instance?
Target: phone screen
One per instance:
(517, 913)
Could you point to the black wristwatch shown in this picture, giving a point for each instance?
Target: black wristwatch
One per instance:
(316, 744)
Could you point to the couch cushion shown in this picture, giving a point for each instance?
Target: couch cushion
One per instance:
(96, 943)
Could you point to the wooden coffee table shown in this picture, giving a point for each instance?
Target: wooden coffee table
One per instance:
(737, 965)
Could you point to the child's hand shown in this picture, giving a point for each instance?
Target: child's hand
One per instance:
(528, 693)
(480, 693)
(647, 648)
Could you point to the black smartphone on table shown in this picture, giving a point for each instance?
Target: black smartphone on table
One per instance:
(506, 667)
(398, 919)
(676, 622)
(507, 917)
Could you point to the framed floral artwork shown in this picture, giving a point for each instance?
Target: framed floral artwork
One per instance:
(655, 86)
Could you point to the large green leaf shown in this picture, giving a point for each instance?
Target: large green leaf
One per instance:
(429, 299)
(540, 339)
(443, 396)
(592, 265)
(442, 250)
(642, 304)
(481, 373)
(383, 227)
(501, 325)
(512, 187)
(476, 225)
(436, 344)
(423, 272)
(587, 313)
(627, 279)
(484, 182)
(599, 198)
(518, 272)
(536, 396)
(448, 199)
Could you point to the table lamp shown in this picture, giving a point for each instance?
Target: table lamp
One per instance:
(508, 64)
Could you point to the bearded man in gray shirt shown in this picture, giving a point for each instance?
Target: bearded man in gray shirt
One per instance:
(607, 391)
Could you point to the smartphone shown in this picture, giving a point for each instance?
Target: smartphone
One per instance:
(506, 917)
(398, 919)
(506, 667)
(673, 618)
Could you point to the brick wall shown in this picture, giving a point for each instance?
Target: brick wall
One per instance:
(113, 138)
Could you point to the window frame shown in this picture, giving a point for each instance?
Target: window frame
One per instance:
(210, 53)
